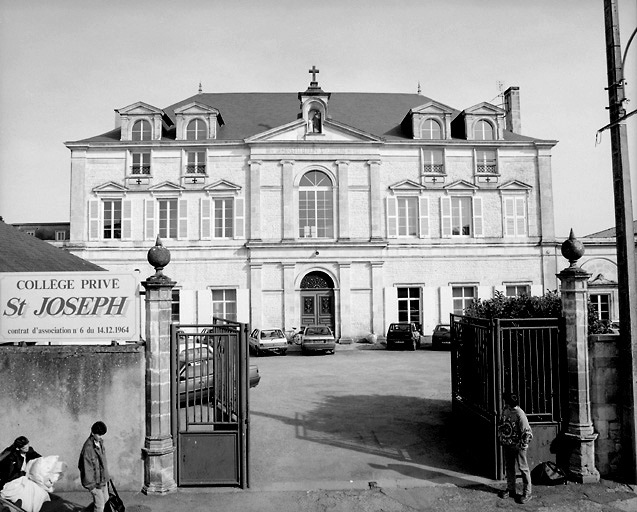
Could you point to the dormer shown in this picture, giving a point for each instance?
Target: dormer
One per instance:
(314, 102)
(140, 122)
(482, 122)
(196, 121)
(431, 121)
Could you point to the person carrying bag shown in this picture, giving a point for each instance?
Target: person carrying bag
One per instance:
(114, 501)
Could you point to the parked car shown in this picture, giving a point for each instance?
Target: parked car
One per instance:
(441, 336)
(403, 334)
(318, 338)
(264, 341)
(196, 376)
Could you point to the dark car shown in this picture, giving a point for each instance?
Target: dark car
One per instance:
(403, 334)
(441, 336)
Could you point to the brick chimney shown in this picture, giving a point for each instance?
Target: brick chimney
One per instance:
(512, 109)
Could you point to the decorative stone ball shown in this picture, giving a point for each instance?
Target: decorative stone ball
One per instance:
(572, 249)
(158, 255)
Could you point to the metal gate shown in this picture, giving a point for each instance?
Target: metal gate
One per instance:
(524, 356)
(210, 419)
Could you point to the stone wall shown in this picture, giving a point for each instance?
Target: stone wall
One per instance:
(605, 385)
(53, 394)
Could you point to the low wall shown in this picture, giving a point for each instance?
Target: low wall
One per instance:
(53, 394)
(605, 386)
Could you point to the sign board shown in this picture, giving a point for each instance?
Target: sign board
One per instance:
(74, 306)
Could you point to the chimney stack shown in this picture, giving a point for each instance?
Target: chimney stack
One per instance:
(512, 109)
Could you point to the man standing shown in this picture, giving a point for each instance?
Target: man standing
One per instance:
(93, 467)
(515, 434)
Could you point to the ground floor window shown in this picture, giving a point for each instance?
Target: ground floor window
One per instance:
(409, 304)
(601, 303)
(517, 290)
(224, 304)
(462, 297)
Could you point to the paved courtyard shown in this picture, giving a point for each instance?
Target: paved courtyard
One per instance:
(358, 416)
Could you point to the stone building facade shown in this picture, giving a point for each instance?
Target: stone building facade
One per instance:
(348, 209)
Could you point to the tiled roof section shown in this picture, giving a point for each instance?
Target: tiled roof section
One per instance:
(610, 232)
(20, 252)
(248, 114)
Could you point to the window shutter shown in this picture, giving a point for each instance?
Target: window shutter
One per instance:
(94, 219)
(182, 227)
(392, 218)
(445, 215)
(239, 218)
(478, 228)
(243, 305)
(509, 216)
(204, 219)
(149, 219)
(424, 217)
(127, 225)
(520, 211)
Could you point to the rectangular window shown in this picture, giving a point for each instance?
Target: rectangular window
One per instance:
(486, 162)
(174, 306)
(316, 214)
(407, 216)
(224, 304)
(112, 218)
(409, 305)
(60, 235)
(601, 303)
(168, 218)
(461, 216)
(223, 213)
(141, 163)
(433, 161)
(462, 297)
(196, 162)
(515, 216)
(517, 290)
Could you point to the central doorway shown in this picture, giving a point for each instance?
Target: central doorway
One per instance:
(317, 300)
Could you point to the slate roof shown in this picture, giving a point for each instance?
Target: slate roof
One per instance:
(20, 252)
(610, 232)
(248, 114)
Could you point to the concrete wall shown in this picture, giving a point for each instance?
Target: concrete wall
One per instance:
(605, 395)
(53, 394)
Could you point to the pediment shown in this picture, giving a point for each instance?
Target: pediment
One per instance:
(166, 187)
(600, 280)
(110, 188)
(484, 109)
(333, 131)
(432, 107)
(140, 109)
(406, 186)
(196, 108)
(460, 185)
(514, 185)
(222, 186)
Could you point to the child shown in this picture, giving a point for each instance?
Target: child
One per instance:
(515, 434)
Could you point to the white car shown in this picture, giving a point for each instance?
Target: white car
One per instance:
(264, 341)
(318, 338)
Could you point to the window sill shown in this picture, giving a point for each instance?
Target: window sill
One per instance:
(434, 177)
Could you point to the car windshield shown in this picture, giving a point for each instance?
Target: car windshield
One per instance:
(443, 328)
(272, 333)
(317, 330)
(401, 327)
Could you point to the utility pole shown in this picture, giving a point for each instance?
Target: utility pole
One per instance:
(625, 240)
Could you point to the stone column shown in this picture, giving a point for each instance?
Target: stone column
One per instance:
(256, 294)
(289, 200)
(345, 272)
(255, 199)
(289, 297)
(376, 206)
(158, 445)
(378, 301)
(343, 199)
(579, 433)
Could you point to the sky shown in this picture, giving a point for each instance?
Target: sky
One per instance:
(66, 65)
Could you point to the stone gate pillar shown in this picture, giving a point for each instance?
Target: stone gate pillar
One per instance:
(158, 445)
(579, 433)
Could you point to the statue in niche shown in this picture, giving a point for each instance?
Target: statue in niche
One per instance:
(314, 122)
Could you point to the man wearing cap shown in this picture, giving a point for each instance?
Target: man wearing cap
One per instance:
(93, 467)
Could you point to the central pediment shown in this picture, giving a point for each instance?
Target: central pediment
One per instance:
(331, 131)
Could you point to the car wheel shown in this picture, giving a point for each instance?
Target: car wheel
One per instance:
(283, 352)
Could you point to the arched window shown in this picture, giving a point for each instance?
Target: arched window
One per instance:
(141, 130)
(196, 130)
(316, 208)
(483, 130)
(431, 130)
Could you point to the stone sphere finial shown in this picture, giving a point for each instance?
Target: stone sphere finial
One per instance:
(158, 257)
(572, 250)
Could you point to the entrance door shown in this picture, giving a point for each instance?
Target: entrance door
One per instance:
(317, 300)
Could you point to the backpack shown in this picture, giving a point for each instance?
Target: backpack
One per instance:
(548, 473)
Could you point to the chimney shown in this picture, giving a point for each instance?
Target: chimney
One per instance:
(512, 109)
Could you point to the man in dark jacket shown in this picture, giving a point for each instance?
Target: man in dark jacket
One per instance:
(14, 458)
(93, 467)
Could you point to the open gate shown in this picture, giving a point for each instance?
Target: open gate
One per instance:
(524, 356)
(210, 421)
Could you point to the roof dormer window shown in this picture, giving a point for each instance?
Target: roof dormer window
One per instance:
(141, 130)
(197, 129)
(483, 130)
(431, 130)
